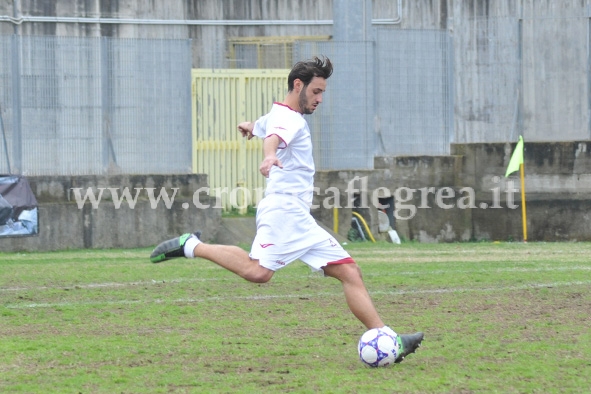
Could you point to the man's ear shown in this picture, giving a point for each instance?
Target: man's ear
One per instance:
(298, 85)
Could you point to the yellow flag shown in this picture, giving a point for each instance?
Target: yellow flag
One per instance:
(516, 158)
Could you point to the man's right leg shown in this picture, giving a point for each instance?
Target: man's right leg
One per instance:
(229, 257)
(236, 260)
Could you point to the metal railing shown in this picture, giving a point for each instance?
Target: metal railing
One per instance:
(89, 105)
(97, 105)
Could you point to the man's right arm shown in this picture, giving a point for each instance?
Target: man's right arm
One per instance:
(246, 128)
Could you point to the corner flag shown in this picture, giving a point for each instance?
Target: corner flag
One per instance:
(516, 164)
(516, 158)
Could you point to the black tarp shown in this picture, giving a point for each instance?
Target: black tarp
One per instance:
(18, 207)
(5, 210)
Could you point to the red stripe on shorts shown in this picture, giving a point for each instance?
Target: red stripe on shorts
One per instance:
(346, 260)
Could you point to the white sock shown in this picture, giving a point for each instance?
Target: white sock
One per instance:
(190, 246)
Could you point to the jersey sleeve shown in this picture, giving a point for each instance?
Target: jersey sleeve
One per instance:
(283, 124)
(286, 131)
(259, 129)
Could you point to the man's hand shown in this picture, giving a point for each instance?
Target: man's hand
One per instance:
(268, 163)
(245, 129)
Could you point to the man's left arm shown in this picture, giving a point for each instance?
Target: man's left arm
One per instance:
(270, 146)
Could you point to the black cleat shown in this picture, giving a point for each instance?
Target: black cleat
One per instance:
(409, 343)
(171, 248)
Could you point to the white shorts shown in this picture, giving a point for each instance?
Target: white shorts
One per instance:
(286, 232)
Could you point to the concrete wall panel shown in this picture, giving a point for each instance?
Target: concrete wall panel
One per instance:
(484, 205)
(64, 224)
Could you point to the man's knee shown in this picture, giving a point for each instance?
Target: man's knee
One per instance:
(259, 275)
(344, 272)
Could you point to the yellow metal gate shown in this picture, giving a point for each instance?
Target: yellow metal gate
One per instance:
(221, 99)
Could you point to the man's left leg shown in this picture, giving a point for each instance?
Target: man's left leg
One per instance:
(362, 307)
(356, 294)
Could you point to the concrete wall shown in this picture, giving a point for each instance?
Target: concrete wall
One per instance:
(558, 191)
(64, 224)
(536, 81)
(557, 174)
(557, 185)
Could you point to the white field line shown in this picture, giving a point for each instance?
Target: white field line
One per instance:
(281, 277)
(301, 295)
(111, 284)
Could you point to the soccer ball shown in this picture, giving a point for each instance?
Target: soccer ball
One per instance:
(378, 347)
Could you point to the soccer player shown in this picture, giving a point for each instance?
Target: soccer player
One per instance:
(286, 231)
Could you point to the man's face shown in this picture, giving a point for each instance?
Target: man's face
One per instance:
(311, 95)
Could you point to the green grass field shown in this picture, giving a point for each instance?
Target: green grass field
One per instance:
(506, 318)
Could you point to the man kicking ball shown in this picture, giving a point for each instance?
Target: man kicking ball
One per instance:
(286, 231)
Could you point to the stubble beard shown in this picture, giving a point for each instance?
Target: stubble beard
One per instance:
(303, 103)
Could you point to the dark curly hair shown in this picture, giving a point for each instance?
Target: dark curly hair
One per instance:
(308, 69)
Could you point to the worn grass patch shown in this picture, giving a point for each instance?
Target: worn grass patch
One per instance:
(507, 318)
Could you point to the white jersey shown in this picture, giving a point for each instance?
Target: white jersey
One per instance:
(295, 152)
(285, 229)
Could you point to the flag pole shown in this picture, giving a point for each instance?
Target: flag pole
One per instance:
(516, 163)
(523, 210)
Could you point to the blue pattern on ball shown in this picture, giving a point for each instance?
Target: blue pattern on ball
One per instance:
(382, 354)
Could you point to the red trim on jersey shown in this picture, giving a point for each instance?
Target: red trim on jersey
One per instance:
(286, 106)
(346, 260)
(281, 141)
